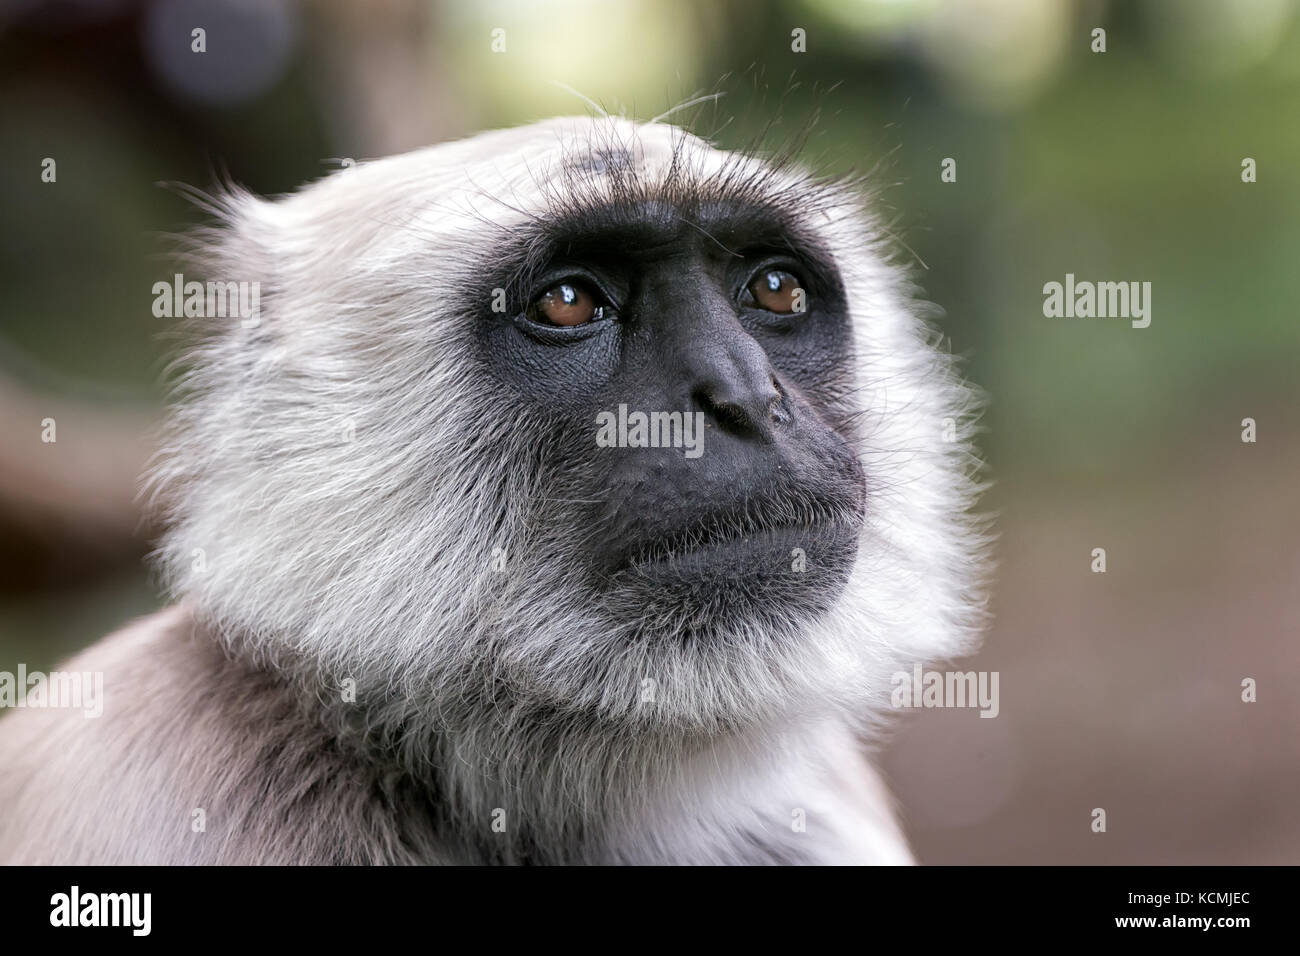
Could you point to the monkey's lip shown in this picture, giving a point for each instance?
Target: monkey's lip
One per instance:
(747, 550)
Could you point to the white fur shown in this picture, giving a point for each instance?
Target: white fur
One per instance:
(326, 559)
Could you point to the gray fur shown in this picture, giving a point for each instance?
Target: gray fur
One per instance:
(328, 560)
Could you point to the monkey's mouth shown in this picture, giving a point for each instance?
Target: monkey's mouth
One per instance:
(732, 548)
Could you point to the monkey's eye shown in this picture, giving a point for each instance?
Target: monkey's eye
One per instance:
(775, 290)
(566, 304)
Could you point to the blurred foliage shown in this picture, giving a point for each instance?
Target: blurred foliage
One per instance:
(1123, 165)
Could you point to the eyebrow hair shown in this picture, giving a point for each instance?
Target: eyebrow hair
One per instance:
(653, 219)
(588, 228)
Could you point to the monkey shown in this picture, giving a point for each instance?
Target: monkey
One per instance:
(419, 614)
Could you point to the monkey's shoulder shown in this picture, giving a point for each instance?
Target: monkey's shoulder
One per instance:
(194, 758)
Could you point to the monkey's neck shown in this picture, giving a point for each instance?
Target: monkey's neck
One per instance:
(513, 788)
(491, 781)
(569, 796)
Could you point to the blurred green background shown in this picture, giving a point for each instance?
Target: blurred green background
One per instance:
(1118, 690)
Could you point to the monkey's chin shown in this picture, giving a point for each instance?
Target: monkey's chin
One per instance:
(793, 573)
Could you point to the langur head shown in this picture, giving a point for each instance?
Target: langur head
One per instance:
(586, 420)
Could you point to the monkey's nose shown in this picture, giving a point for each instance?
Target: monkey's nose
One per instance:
(746, 410)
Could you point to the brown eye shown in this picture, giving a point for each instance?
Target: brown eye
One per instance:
(776, 291)
(565, 304)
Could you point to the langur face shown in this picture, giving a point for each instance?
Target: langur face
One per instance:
(719, 333)
(545, 416)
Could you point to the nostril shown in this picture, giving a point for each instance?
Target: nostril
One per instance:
(779, 406)
(751, 409)
(731, 415)
(780, 412)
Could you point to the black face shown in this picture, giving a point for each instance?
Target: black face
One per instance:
(732, 319)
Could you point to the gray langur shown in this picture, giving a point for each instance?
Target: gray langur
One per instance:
(424, 614)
